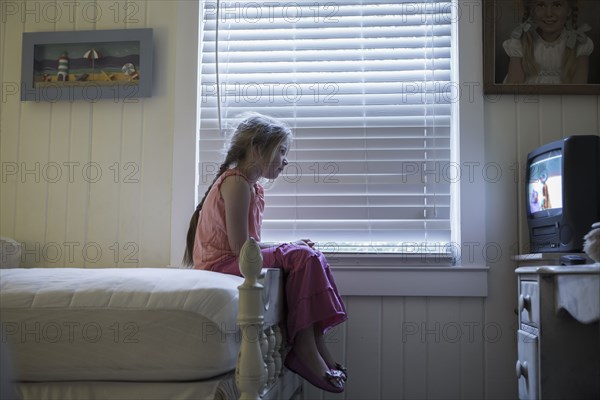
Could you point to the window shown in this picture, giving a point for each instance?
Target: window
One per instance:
(366, 87)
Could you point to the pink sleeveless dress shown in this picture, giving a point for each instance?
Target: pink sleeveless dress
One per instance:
(311, 294)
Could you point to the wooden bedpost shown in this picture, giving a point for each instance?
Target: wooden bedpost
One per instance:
(250, 371)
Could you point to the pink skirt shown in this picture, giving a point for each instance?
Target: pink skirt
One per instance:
(311, 295)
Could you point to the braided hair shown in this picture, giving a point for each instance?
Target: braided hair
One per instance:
(257, 131)
(568, 62)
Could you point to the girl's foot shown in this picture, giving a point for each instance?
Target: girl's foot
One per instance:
(329, 381)
(327, 357)
(305, 356)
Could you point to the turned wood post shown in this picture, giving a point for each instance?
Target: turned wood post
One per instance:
(250, 371)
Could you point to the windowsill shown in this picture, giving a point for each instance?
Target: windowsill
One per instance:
(401, 275)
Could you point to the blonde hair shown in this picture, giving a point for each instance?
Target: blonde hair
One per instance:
(530, 66)
(255, 131)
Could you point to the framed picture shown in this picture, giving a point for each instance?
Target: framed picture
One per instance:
(87, 65)
(504, 24)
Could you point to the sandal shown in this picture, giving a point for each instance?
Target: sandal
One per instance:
(343, 370)
(326, 382)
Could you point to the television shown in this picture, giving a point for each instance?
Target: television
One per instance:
(563, 193)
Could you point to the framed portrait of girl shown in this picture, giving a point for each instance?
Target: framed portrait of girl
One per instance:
(541, 46)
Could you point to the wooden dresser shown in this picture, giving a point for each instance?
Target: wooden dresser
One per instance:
(559, 335)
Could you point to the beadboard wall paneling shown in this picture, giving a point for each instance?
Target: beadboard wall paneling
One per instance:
(92, 180)
(501, 223)
(410, 348)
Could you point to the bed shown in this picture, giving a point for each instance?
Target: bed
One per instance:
(151, 333)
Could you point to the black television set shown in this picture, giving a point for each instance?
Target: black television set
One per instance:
(563, 193)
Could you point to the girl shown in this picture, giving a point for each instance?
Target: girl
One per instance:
(231, 212)
(548, 47)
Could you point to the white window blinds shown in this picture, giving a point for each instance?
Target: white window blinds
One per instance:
(366, 88)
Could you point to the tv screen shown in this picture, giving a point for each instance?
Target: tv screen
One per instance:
(545, 182)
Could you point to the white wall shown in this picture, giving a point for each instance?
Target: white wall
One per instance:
(119, 214)
(396, 347)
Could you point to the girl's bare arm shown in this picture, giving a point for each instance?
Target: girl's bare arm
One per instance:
(582, 66)
(235, 192)
(515, 71)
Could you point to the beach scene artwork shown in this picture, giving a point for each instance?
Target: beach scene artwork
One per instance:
(82, 64)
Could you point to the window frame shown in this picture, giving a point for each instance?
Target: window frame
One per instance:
(369, 274)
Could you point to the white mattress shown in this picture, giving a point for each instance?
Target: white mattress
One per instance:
(133, 324)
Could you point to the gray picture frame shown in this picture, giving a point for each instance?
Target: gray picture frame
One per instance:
(135, 84)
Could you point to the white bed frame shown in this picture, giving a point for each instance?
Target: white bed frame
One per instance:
(259, 371)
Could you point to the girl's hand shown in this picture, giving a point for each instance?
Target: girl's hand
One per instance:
(304, 242)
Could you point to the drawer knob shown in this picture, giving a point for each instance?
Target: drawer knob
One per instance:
(521, 368)
(524, 302)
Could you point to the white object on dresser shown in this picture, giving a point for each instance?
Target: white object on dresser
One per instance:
(558, 336)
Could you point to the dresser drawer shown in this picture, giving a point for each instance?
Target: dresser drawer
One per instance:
(527, 366)
(529, 303)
